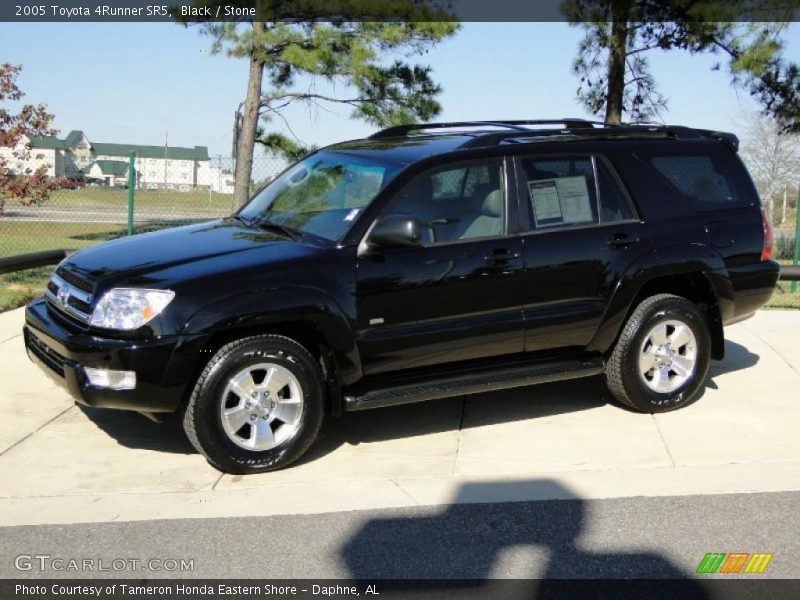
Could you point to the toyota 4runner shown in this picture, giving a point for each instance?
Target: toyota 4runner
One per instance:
(423, 262)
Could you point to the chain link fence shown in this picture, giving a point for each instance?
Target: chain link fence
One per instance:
(93, 206)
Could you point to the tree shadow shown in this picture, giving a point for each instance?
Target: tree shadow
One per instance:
(464, 545)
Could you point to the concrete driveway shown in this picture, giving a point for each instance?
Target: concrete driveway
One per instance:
(60, 463)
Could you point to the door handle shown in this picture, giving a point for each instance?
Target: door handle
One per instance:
(501, 256)
(621, 240)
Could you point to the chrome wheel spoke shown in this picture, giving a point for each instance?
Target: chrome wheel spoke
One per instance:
(243, 385)
(682, 365)
(658, 335)
(667, 356)
(261, 436)
(288, 411)
(276, 401)
(234, 418)
(660, 380)
(680, 337)
(647, 362)
(276, 379)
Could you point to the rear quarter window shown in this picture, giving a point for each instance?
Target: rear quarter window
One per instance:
(713, 180)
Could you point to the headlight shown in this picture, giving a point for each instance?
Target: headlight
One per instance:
(129, 308)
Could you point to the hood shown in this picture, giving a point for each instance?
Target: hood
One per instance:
(184, 252)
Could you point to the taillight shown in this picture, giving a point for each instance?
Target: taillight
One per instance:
(766, 250)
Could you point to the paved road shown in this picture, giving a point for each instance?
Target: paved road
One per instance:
(633, 537)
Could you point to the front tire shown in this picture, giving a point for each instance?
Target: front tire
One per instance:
(257, 406)
(661, 359)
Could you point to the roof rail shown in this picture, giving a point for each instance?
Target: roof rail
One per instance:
(518, 130)
(516, 125)
(590, 133)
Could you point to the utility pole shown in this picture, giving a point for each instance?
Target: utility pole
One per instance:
(166, 143)
(796, 250)
(785, 193)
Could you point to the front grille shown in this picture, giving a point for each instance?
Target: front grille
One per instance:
(46, 354)
(80, 305)
(78, 281)
(70, 298)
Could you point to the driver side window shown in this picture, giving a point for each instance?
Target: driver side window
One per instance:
(456, 203)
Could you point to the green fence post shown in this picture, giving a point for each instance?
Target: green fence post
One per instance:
(796, 250)
(131, 185)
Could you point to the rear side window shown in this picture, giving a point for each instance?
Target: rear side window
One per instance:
(710, 181)
(561, 191)
(574, 192)
(615, 205)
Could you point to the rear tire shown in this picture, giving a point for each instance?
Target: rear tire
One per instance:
(661, 359)
(257, 406)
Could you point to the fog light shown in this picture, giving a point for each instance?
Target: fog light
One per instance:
(115, 380)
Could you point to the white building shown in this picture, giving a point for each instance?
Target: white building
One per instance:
(157, 167)
(220, 180)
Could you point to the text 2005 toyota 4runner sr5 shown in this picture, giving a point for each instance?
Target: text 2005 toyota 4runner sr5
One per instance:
(422, 262)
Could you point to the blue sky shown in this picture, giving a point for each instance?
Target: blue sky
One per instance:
(132, 82)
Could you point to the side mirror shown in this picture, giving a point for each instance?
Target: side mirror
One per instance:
(396, 231)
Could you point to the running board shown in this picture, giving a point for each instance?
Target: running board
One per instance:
(474, 383)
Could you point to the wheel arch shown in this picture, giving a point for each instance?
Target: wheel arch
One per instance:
(694, 278)
(304, 315)
(696, 287)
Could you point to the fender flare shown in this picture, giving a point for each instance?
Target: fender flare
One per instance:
(673, 260)
(259, 309)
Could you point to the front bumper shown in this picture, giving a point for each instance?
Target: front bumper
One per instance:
(163, 365)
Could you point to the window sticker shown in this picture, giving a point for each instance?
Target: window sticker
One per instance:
(546, 206)
(561, 201)
(352, 214)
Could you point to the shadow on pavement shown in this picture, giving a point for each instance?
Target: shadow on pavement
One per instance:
(466, 542)
(133, 430)
(411, 420)
(506, 406)
(737, 357)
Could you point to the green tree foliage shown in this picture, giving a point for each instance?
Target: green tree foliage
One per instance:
(745, 34)
(17, 124)
(360, 47)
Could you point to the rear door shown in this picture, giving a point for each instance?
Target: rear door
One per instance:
(582, 231)
(709, 184)
(457, 297)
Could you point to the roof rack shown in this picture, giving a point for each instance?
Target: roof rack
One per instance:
(594, 133)
(570, 128)
(515, 125)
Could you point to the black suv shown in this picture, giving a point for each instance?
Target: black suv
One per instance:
(422, 262)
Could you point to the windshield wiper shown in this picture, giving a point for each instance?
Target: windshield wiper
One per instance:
(292, 234)
(245, 220)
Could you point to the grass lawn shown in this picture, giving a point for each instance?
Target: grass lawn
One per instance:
(20, 237)
(16, 289)
(94, 197)
(783, 296)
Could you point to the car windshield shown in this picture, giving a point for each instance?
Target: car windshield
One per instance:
(321, 195)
